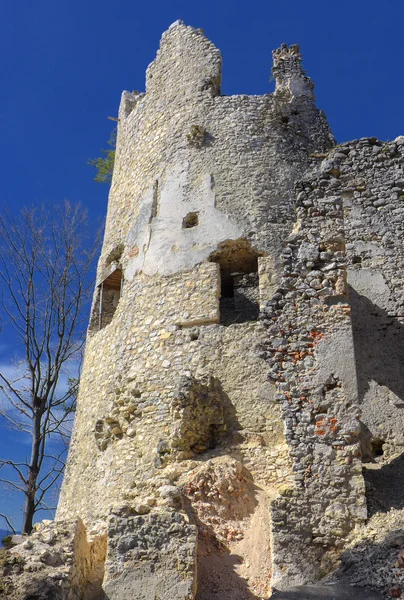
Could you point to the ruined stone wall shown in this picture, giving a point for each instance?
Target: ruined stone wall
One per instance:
(129, 429)
(233, 385)
(373, 185)
(336, 357)
(176, 410)
(182, 147)
(373, 176)
(311, 355)
(59, 561)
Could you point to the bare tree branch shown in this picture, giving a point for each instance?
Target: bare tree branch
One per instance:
(46, 261)
(8, 523)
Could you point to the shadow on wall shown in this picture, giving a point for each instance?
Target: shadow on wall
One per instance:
(43, 589)
(385, 486)
(218, 578)
(379, 355)
(379, 346)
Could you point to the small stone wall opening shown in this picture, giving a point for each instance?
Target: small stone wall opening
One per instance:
(376, 447)
(239, 297)
(191, 220)
(239, 281)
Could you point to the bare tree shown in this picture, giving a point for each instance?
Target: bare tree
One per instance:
(46, 261)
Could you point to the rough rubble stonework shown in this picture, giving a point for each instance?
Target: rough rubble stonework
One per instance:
(240, 408)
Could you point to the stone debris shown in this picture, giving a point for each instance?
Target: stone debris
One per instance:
(331, 592)
(57, 561)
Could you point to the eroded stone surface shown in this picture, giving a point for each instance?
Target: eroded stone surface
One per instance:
(151, 556)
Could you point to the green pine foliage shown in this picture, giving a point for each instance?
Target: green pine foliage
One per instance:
(105, 164)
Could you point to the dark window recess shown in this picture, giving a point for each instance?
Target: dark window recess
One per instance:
(239, 297)
(239, 294)
(109, 293)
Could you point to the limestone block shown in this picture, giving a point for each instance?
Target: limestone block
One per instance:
(267, 278)
(150, 556)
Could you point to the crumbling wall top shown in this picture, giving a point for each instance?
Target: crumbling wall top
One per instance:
(289, 74)
(186, 63)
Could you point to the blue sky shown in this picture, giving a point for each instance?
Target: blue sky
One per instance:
(64, 65)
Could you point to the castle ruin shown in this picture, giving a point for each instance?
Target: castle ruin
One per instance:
(241, 402)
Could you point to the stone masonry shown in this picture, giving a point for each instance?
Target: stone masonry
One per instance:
(240, 406)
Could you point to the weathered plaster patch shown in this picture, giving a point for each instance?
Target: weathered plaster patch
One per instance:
(370, 283)
(335, 357)
(165, 246)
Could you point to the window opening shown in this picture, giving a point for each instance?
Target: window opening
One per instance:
(110, 293)
(239, 281)
(107, 299)
(191, 220)
(376, 446)
(239, 297)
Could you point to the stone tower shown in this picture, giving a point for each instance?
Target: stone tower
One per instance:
(218, 421)
(174, 391)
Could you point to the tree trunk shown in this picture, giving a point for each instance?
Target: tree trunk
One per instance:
(29, 508)
(33, 472)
